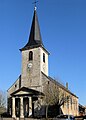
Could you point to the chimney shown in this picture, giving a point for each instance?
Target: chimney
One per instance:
(67, 85)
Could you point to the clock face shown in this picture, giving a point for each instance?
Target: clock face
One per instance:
(29, 65)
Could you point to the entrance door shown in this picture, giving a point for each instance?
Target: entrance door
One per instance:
(17, 107)
(26, 107)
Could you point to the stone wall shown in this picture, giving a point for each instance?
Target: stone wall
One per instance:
(31, 119)
(70, 107)
(30, 77)
(19, 119)
(6, 118)
(14, 87)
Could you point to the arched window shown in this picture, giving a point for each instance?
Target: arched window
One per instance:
(43, 57)
(30, 55)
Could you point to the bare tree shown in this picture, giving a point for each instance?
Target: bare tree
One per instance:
(54, 96)
(2, 102)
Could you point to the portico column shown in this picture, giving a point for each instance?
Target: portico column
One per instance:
(21, 108)
(13, 107)
(30, 106)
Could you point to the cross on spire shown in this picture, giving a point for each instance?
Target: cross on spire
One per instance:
(35, 2)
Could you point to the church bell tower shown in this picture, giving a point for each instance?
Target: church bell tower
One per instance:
(34, 57)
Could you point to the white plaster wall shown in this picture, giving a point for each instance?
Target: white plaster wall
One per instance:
(44, 66)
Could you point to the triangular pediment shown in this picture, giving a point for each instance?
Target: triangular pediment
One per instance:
(22, 92)
(26, 92)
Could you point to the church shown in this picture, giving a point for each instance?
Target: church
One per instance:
(24, 95)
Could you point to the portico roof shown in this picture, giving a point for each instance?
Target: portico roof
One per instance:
(24, 91)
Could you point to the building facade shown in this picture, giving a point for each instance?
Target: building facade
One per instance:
(25, 96)
(82, 110)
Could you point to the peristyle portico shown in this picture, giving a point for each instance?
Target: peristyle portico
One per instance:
(23, 102)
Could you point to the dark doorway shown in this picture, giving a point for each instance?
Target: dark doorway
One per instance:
(26, 107)
(17, 107)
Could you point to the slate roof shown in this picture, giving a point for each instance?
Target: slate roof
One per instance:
(35, 39)
(59, 84)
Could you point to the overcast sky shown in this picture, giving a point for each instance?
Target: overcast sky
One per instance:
(63, 30)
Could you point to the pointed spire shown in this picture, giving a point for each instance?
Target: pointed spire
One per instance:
(35, 39)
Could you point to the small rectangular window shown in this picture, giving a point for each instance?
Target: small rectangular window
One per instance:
(43, 57)
(48, 82)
